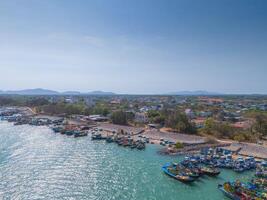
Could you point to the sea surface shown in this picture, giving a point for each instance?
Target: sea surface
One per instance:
(36, 163)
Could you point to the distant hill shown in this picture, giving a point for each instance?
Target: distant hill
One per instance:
(100, 93)
(40, 91)
(71, 93)
(192, 93)
(37, 91)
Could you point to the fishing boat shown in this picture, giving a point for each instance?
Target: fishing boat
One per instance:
(109, 139)
(241, 191)
(261, 170)
(57, 129)
(140, 146)
(210, 171)
(80, 134)
(133, 145)
(69, 132)
(192, 172)
(228, 193)
(96, 136)
(172, 172)
(260, 183)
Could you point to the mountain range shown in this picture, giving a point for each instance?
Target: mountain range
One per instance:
(40, 91)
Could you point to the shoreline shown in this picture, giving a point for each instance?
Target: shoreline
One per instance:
(192, 143)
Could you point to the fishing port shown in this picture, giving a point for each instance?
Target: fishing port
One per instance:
(198, 159)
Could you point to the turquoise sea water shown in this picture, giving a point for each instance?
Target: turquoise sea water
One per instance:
(36, 163)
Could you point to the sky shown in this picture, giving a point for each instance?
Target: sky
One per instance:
(134, 46)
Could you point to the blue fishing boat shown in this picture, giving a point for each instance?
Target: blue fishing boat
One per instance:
(229, 194)
(109, 139)
(69, 132)
(80, 134)
(210, 171)
(172, 172)
(97, 136)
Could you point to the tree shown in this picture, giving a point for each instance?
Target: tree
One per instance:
(261, 124)
(180, 123)
(156, 117)
(119, 117)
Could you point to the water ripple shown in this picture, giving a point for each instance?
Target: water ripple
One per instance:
(36, 163)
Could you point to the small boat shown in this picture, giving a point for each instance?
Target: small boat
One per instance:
(187, 171)
(176, 174)
(140, 145)
(241, 191)
(228, 193)
(96, 137)
(80, 134)
(109, 139)
(69, 132)
(57, 129)
(210, 171)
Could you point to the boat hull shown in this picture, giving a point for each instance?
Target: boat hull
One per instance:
(229, 195)
(166, 171)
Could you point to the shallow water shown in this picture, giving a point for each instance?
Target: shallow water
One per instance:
(36, 163)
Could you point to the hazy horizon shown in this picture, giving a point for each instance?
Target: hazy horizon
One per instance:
(134, 47)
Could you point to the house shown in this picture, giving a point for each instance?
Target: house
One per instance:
(189, 113)
(199, 122)
(141, 117)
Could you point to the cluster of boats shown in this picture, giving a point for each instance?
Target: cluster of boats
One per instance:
(188, 173)
(208, 163)
(19, 119)
(221, 158)
(164, 142)
(70, 131)
(256, 189)
(121, 140)
(261, 170)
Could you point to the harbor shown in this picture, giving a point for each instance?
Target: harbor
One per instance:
(196, 162)
(62, 167)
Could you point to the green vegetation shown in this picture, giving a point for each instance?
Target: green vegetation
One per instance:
(179, 145)
(166, 111)
(179, 122)
(100, 109)
(119, 117)
(226, 131)
(176, 120)
(156, 117)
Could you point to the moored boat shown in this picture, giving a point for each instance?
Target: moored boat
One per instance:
(210, 171)
(96, 136)
(227, 192)
(80, 134)
(176, 174)
(242, 191)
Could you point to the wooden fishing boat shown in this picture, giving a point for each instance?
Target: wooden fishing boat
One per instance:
(96, 137)
(242, 191)
(80, 134)
(109, 139)
(176, 174)
(210, 171)
(228, 193)
(187, 171)
(69, 132)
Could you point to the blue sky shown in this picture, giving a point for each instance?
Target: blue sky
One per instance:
(134, 46)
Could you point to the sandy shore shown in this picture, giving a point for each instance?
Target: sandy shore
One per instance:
(174, 137)
(114, 127)
(249, 149)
